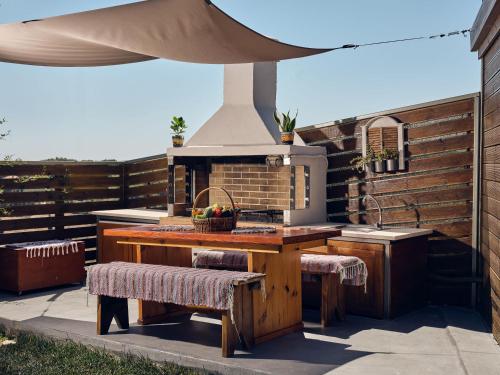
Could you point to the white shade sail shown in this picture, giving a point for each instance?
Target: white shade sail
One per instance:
(184, 30)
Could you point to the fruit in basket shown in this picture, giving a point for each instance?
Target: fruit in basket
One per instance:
(196, 212)
(215, 210)
(208, 212)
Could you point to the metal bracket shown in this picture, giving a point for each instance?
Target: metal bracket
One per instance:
(171, 184)
(188, 184)
(307, 177)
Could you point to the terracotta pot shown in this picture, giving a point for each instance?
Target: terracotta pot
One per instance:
(177, 140)
(380, 166)
(287, 138)
(392, 165)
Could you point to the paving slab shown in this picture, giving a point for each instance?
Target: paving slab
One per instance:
(433, 340)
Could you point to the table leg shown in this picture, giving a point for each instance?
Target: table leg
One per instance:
(281, 312)
(154, 312)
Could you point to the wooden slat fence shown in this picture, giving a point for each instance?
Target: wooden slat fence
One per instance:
(52, 200)
(435, 191)
(490, 186)
(145, 182)
(48, 200)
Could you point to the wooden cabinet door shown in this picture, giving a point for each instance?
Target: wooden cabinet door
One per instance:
(358, 302)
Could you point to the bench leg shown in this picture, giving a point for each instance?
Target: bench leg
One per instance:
(246, 330)
(332, 299)
(243, 315)
(327, 299)
(341, 305)
(242, 329)
(109, 308)
(229, 336)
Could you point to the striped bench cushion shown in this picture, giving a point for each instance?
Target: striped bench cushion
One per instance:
(167, 284)
(352, 270)
(234, 260)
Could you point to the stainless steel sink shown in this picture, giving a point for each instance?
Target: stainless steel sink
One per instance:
(359, 228)
(371, 232)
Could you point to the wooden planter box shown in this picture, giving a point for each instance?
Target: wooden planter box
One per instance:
(18, 273)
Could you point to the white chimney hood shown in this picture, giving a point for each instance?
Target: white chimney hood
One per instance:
(244, 124)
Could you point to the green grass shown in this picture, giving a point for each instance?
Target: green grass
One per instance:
(36, 355)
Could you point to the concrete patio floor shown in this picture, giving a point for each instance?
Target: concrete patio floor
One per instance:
(434, 340)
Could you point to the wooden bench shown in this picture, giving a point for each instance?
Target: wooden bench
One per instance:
(112, 302)
(334, 271)
(333, 303)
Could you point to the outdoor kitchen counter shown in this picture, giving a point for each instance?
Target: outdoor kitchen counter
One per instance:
(371, 233)
(132, 215)
(396, 259)
(275, 254)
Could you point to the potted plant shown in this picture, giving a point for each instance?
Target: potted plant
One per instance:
(380, 161)
(178, 127)
(286, 125)
(392, 160)
(363, 163)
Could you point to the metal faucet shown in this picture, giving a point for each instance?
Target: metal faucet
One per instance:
(379, 224)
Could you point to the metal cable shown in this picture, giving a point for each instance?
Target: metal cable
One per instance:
(452, 33)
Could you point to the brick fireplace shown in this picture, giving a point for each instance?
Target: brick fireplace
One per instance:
(239, 148)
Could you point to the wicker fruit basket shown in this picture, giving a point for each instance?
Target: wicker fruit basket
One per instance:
(214, 224)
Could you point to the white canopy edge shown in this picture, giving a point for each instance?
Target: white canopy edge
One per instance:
(184, 30)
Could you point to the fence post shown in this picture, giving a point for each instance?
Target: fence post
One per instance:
(59, 192)
(124, 186)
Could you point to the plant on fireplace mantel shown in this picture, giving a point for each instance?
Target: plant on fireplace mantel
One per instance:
(286, 125)
(178, 127)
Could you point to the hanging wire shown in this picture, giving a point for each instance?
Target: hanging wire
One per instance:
(453, 33)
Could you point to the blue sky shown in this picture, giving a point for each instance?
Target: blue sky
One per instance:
(123, 112)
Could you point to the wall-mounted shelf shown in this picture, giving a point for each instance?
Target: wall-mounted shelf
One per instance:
(384, 132)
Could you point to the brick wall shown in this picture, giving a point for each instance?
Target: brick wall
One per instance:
(252, 186)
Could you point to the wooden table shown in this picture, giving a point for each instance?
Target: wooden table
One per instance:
(275, 254)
